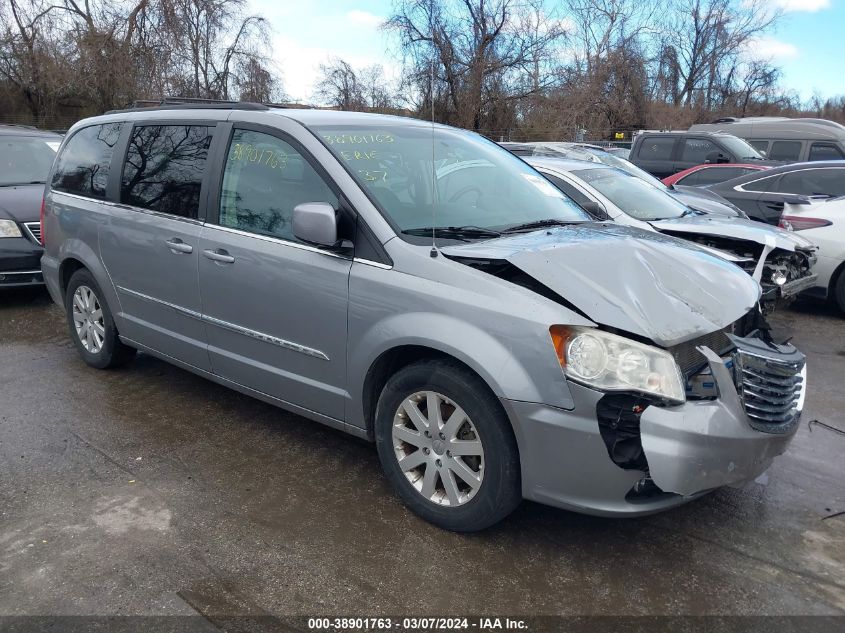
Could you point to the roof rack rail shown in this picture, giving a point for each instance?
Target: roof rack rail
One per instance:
(196, 103)
(725, 119)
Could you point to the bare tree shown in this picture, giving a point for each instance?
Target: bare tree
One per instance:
(702, 36)
(474, 52)
(338, 86)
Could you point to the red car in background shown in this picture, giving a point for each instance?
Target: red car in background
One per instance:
(710, 174)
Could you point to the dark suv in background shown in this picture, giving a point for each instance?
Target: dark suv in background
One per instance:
(665, 153)
(26, 155)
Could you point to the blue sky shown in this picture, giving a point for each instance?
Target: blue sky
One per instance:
(309, 32)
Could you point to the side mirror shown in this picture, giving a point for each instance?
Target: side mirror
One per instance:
(716, 157)
(315, 223)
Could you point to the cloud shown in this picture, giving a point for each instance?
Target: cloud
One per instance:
(806, 6)
(771, 48)
(364, 18)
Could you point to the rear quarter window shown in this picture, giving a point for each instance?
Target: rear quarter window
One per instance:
(82, 167)
(656, 148)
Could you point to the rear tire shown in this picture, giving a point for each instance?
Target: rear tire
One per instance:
(91, 325)
(447, 446)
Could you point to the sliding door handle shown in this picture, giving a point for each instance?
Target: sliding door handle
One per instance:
(220, 256)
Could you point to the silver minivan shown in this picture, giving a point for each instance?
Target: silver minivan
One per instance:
(785, 139)
(421, 287)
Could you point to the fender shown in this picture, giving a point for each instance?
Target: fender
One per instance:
(485, 354)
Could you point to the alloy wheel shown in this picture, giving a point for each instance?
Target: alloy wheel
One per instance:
(88, 319)
(438, 448)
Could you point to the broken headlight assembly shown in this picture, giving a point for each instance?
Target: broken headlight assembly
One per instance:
(608, 362)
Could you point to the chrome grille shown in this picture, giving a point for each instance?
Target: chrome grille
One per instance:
(33, 229)
(770, 390)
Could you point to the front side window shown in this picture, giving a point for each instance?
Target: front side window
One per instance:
(696, 150)
(739, 148)
(264, 179)
(424, 176)
(825, 151)
(785, 150)
(26, 160)
(712, 175)
(83, 166)
(633, 196)
(164, 168)
(760, 145)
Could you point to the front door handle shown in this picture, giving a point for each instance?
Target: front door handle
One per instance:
(220, 256)
(178, 246)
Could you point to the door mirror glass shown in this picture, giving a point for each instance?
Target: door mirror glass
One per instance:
(315, 223)
(716, 157)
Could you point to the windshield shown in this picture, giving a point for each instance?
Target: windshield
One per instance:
(739, 148)
(26, 159)
(441, 177)
(633, 196)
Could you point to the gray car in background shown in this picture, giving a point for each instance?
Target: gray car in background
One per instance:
(418, 286)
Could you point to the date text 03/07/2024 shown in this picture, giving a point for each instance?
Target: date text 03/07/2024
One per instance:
(417, 624)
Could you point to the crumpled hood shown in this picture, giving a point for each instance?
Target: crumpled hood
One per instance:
(736, 228)
(651, 285)
(21, 203)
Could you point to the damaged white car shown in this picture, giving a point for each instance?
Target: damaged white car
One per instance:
(780, 260)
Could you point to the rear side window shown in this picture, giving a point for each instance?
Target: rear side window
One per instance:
(814, 182)
(83, 165)
(164, 168)
(264, 179)
(785, 150)
(656, 148)
(696, 150)
(825, 151)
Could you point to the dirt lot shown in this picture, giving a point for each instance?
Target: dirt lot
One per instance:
(147, 490)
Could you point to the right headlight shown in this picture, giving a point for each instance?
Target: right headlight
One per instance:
(8, 228)
(609, 362)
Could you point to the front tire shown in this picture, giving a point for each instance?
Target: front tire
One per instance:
(839, 291)
(447, 447)
(91, 325)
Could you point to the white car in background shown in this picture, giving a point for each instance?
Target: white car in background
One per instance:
(823, 223)
(782, 261)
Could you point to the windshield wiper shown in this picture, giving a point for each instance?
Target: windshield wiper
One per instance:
(539, 224)
(456, 232)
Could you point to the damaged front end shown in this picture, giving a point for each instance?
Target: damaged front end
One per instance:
(783, 268)
(745, 394)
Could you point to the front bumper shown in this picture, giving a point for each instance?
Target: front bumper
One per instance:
(691, 449)
(20, 263)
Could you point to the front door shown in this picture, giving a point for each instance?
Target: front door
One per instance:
(150, 242)
(275, 309)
